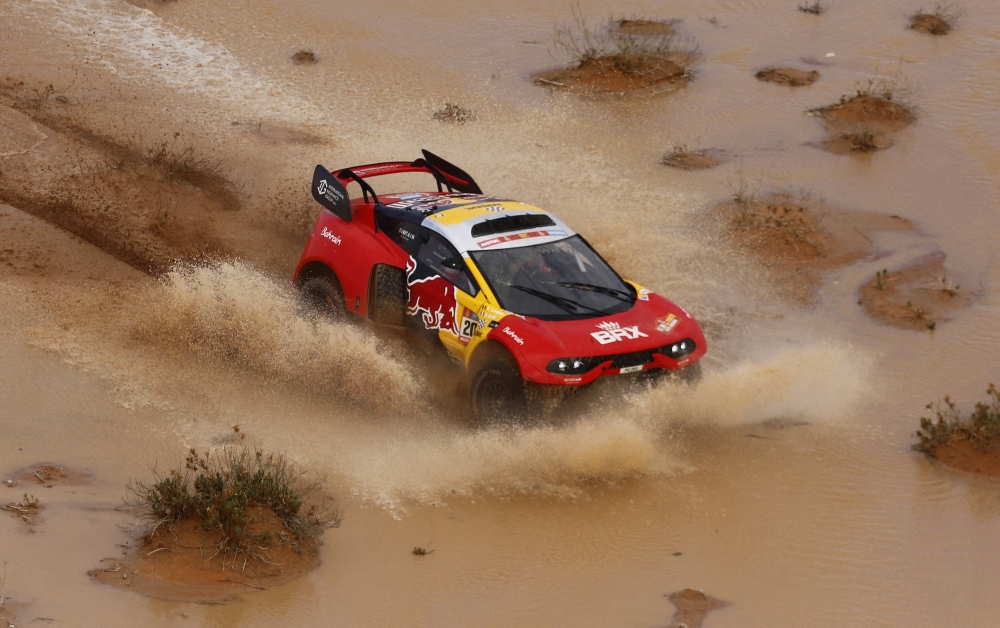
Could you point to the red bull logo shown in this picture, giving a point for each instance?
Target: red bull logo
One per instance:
(431, 298)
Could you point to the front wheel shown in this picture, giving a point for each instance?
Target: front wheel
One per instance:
(325, 296)
(498, 393)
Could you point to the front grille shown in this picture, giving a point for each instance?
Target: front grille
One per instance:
(636, 358)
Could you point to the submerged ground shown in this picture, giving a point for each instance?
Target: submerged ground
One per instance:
(783, 485)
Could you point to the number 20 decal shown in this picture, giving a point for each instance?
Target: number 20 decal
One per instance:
(468, 327)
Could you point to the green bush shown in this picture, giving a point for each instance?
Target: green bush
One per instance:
(981, 428)
(222, 489)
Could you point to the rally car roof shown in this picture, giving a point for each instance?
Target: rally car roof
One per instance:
(465, 216)
(475, 222)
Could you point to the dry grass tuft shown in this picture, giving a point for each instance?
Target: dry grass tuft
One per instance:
(305, 57)
(630, 49)
(893, 88)
(781, 217)
(938, 22)
(680, 157)
(815, 8)
(862, 139)
(454, 114)
(787, 76)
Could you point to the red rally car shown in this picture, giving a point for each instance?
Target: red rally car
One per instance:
(509, 290)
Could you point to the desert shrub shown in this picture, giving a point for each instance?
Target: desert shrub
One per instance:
(937, 22)
(814, 8)
(304, 57)
(581, 42)
(861, 138)
(454, 113)
(981, 428)
(223, 490)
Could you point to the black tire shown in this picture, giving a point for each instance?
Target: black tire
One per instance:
(390, 295)
(325, 296)
(497, 392)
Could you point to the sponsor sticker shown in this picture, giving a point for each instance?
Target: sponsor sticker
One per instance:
(432, 298)
(643, 294)
(520, 236)
(469, 326)
(667, 323)
(329, 236)
(421, 202)
(510, 332)
(613, 332)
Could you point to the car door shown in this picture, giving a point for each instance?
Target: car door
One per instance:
(442, 292)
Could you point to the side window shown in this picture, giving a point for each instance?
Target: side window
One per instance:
(445, 261)
(401, 232)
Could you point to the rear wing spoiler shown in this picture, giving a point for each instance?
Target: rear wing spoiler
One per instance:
(330, 190)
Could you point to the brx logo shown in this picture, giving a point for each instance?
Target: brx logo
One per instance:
(613, 332)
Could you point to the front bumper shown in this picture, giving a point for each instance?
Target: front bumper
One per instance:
(616, 364)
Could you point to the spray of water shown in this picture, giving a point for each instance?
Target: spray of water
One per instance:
(234, 314)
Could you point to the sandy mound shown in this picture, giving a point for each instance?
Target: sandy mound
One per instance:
(959, 453)
(787, 76)
(862, 124)
(234, 518)
(702, 159)
(915, 297)
(692, 606)
(930, 23)
(48, 475)
(181, 563)
(609, 75)
(800, 239)
(867, 109)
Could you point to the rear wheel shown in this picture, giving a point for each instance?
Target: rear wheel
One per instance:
(389, 292)
(498, 393)
(325, 296)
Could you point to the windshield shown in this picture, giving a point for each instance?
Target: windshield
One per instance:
(555, 281)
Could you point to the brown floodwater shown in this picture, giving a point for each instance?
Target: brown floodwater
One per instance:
(782, 485)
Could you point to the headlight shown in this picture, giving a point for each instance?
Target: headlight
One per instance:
(679, 349)
(573, 366)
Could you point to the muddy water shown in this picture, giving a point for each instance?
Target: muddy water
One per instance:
(782, 485)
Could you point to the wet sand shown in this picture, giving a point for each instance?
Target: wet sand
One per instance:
(783, 484)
